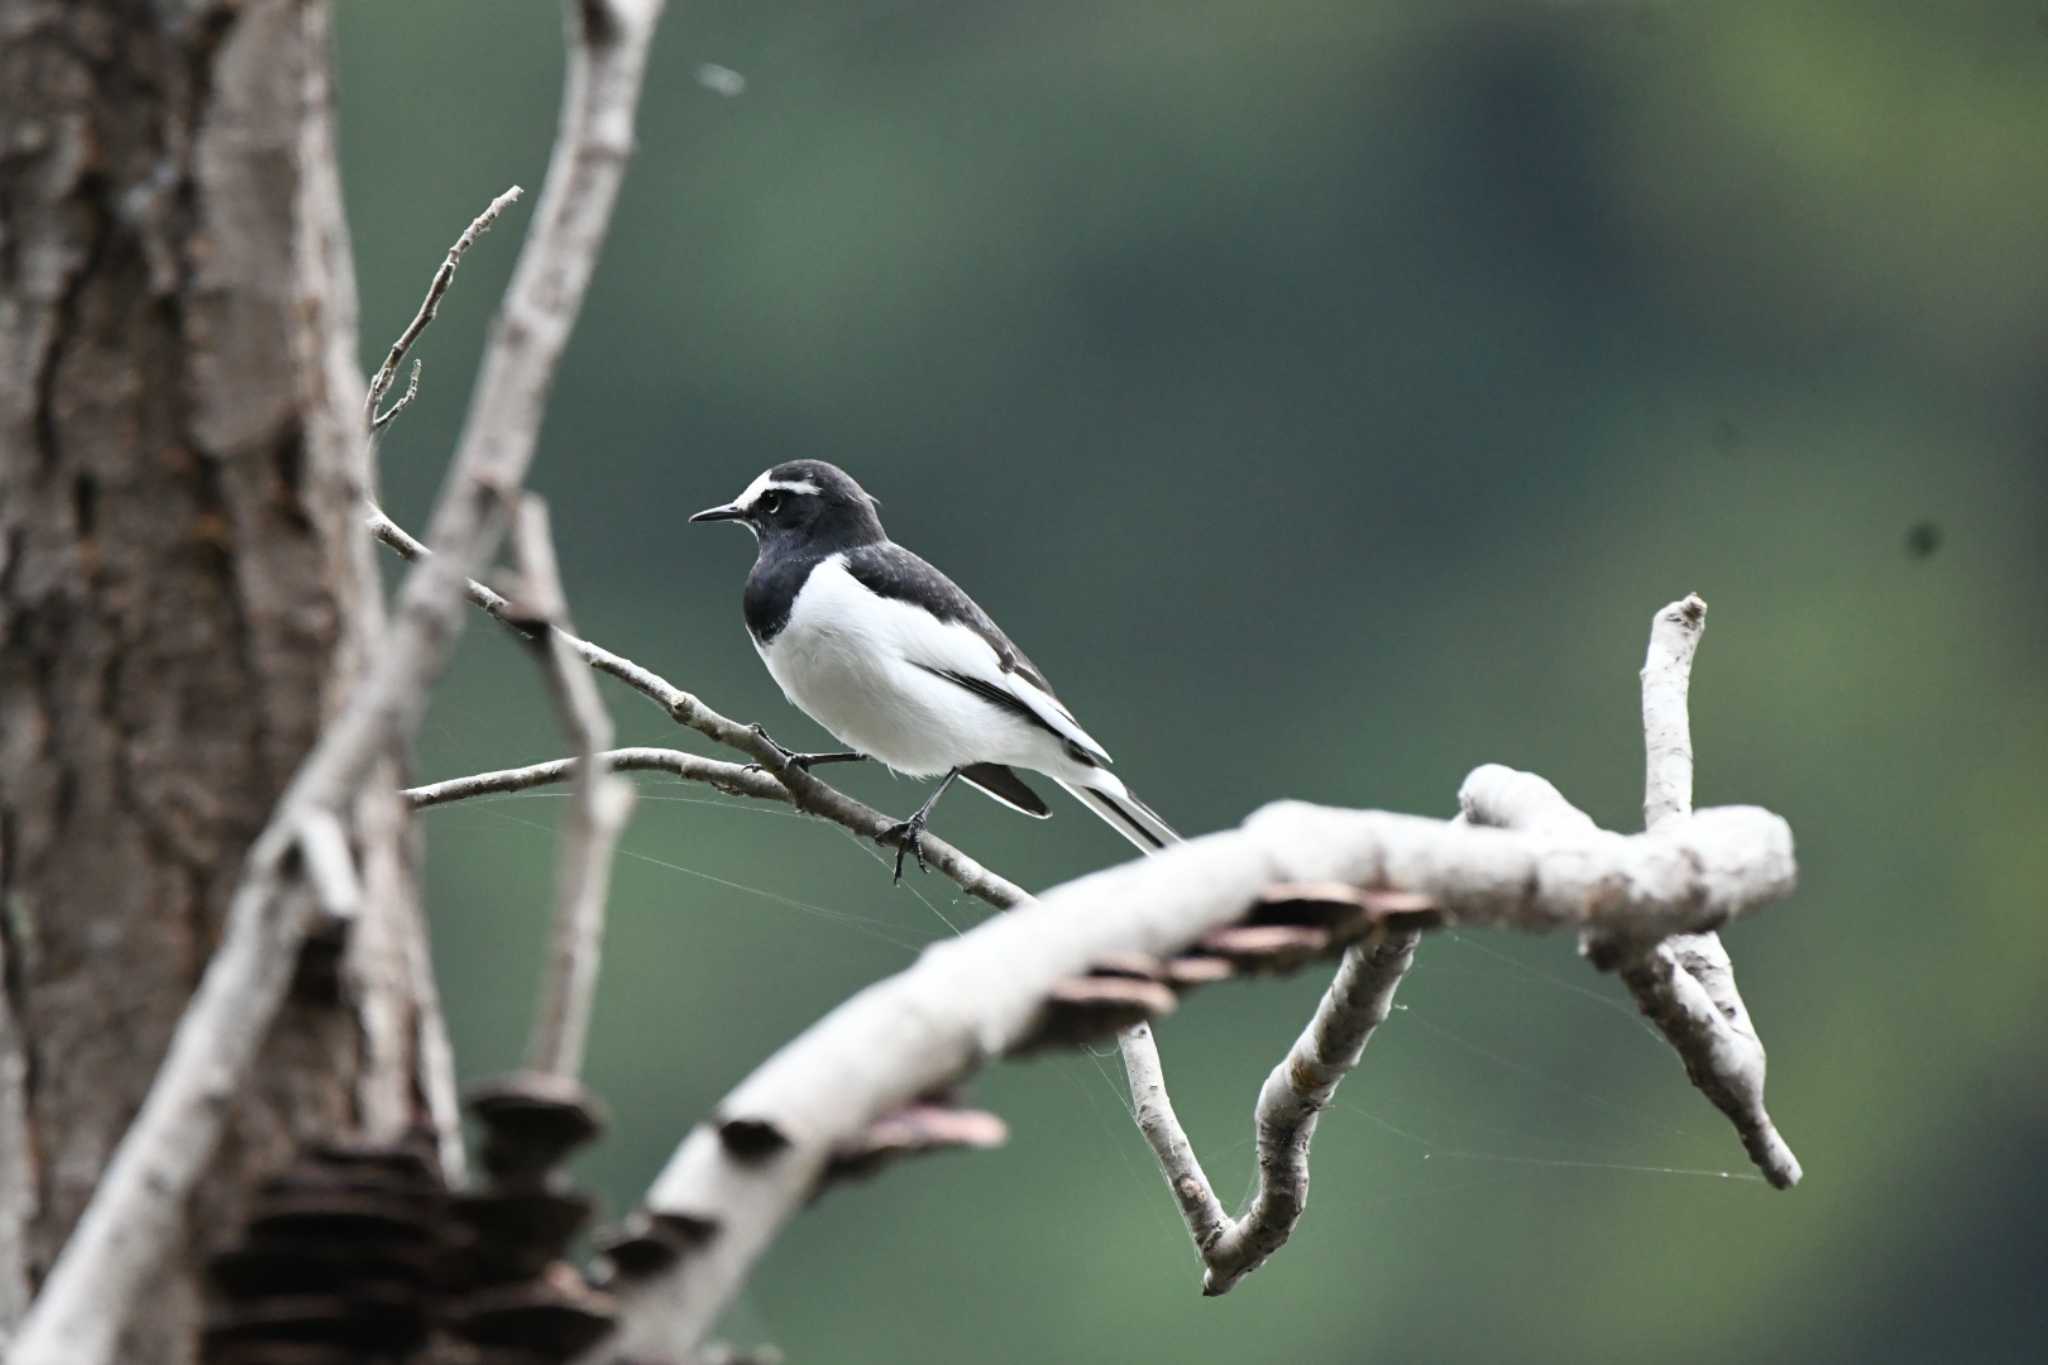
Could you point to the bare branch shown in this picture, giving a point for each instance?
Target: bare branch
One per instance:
(734, 779)
(591, 827)
(737, 1178)
(137, 1209)
(730, 778)
(1686, 984)
(1686, 987)
(1683, 983)
(1284, 1120)
(1296, 1091)
(437, 1063)
(387, 373)
(1667, 728)
(412, 390)
(1294, 1096)
(1159, 1124)
(807, 792)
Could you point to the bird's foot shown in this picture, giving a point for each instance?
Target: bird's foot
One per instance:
(786, 759)
(906, 836)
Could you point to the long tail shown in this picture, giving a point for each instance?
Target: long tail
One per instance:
(1125, 814)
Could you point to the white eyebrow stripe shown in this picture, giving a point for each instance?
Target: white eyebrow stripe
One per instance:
(764, 483)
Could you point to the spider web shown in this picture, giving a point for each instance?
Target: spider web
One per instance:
(1443, 1137)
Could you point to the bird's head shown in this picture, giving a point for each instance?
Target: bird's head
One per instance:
(803, 502)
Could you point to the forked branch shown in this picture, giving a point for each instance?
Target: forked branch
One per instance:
(1004, 987)
(1684, 983)
(430, 307)
(1290, 1103)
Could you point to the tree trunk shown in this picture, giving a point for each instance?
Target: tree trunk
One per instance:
(185, 593)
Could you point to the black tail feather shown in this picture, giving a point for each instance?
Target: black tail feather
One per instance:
(1128, 816)
(1003, 783)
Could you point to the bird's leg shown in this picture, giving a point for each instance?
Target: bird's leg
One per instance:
(908, 835)
(790, 758)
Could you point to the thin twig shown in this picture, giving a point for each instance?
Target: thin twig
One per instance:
(430, 306)
(736, 1179)
(412, 391)
(1160, 1126)
(1285, 1117)
(806, 791)
(731, 778)
(594, 820)
(137, 1210)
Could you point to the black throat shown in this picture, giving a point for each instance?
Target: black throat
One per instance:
(785, 562)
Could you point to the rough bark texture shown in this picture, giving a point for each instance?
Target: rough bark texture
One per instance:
(183, 593)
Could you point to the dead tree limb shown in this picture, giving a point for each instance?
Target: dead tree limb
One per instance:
(591, 826)
(998, 989)
(1680, 982)
(1291, 1101)
(1684, 983)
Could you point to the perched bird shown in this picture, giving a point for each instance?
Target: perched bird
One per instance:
(884, 651)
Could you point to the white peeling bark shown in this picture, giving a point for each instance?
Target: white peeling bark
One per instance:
(1497, 797)
(1684, 983)
(1667, 727)
(970, 999)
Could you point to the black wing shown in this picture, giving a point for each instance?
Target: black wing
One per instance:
(886, 569)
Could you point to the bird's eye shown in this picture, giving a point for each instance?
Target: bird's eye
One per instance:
(768, 504)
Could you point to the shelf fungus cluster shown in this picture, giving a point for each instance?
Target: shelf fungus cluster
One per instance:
(359, 1251)
(1290, 925)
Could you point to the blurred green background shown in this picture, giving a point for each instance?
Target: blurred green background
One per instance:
(1325, 394)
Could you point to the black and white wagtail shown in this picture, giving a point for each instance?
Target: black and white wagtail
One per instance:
(896, 661)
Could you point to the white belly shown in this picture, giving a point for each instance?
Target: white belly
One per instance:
(845, 659)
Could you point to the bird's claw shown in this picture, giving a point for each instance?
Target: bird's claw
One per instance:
(785, 759)
(907, 836)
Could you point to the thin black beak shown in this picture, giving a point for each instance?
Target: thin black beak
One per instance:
(732, 511)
